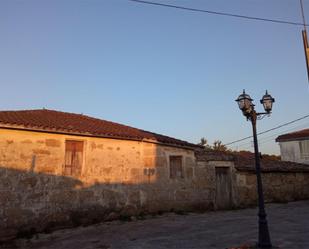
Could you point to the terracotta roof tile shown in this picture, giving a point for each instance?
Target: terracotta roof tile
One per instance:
(245, 161)
(212, 155)
(302, 134)
(64, 122)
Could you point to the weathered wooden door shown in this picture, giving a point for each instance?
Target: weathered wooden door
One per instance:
(176, 170)
(223, 188)
(73, 157)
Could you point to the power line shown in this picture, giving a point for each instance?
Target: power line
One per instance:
(297, 127)
(263, 141)
(263, 132)
(302, 126)
(220, 13)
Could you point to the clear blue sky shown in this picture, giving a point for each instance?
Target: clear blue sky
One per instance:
(169, 71)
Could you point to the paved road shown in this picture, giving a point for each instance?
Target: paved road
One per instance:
(289, 227)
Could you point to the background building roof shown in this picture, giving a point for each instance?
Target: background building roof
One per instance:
(297, 135)
(245, 161)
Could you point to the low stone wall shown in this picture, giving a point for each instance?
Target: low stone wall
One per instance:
(37, 202)
(278, 187)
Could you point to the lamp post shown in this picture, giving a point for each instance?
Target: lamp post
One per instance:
(247, 107)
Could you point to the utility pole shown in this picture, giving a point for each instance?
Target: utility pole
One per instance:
(305, 39)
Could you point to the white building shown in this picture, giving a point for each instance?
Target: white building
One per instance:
(294, 146)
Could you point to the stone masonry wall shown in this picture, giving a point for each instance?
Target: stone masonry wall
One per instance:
(278, 187)
(118, 178)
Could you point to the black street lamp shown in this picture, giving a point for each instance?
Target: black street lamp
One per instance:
(247, 107)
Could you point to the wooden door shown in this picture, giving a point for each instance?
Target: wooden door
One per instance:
(176, 170)
(73, 157)
(223, 188)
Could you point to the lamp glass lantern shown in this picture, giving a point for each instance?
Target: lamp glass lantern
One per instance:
(267, 102)
(245, 103)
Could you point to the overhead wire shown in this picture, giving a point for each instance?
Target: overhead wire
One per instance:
(266, 131)
(219, 13)
(236, 16)
(261, 139)
(268, 138)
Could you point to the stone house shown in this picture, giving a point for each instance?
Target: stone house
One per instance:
(63, 168)
(294, 146)
(235, 179)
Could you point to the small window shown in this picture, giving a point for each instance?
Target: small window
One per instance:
(304, 149)
(73, 157)
(176, 170)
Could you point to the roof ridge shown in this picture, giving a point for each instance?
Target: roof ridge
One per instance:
(112, 122)
(83, 124)
(83, 115)
(65, 112)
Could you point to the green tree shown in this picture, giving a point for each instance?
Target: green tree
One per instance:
(204, 143)
(218, 146)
